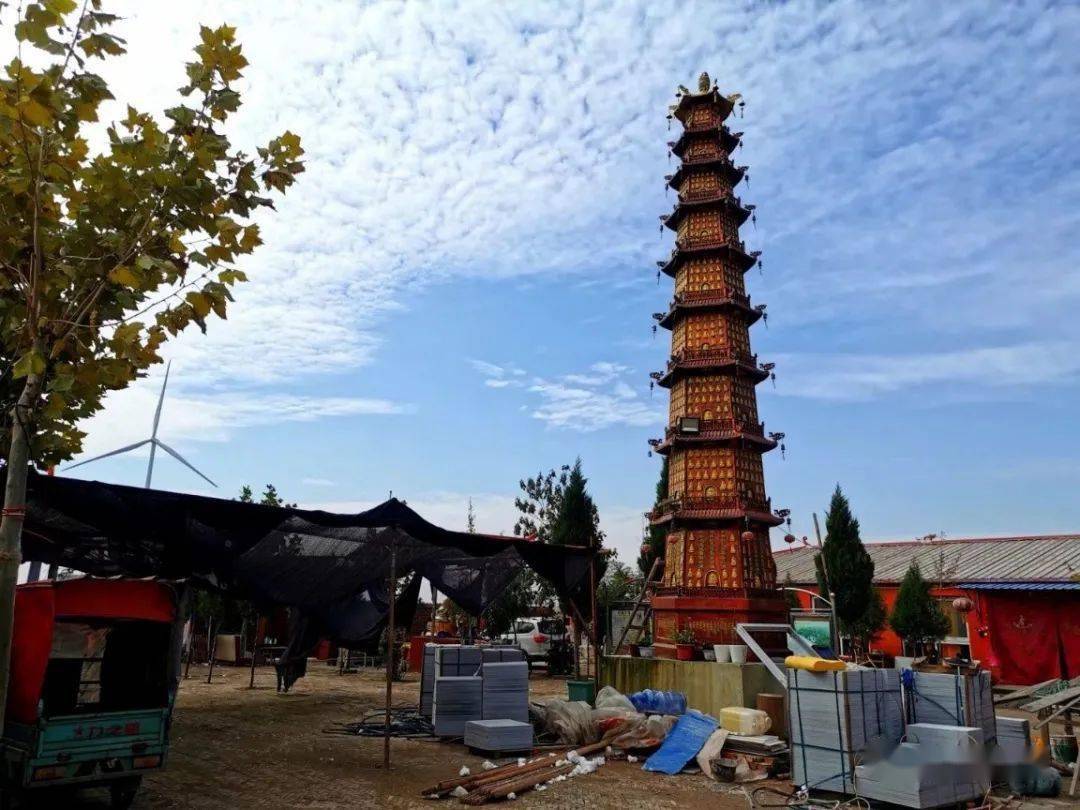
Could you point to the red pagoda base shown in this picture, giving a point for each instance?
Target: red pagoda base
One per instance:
(712, 617)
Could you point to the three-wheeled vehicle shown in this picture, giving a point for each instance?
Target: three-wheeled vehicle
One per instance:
(94, 671)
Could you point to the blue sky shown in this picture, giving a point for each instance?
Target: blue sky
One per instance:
(458, 292)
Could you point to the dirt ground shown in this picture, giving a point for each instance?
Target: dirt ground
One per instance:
(253, 748)
(235, 747)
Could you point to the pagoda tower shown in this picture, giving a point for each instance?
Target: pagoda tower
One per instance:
(718, 569)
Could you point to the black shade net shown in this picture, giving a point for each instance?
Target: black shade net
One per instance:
(333, 568)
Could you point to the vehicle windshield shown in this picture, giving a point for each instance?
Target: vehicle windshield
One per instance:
(97, 666)
(552, 627)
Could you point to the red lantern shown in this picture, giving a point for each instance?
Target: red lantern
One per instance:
(748, 537)
(789, 539)
(962, 604)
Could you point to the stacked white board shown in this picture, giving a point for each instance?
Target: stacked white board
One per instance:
(453, 660)
(1013, 741)
(506, 691)
(499, 736)
(838, 719)
(956, 700)
(938, 765)
(457, 700)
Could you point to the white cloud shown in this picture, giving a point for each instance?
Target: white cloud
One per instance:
(445, 141)
(865, 376)
(318, 482)
(190, 415)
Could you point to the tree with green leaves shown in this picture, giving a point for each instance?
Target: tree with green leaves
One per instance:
(270, 497)
(106, 253)
(619, 584)
(916, 617)
(844, 567)
(655, 536)
(538, 504)
(577, 521)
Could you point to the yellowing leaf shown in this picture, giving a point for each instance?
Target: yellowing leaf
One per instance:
(124, 275)
(34, 112)
(200, 303)
(29, 363)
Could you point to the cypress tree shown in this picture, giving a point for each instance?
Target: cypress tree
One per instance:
(655, 536)
(577, 522)
(848, 565)
(916, 617)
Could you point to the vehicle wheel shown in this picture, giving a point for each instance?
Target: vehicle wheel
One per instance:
(122, 793)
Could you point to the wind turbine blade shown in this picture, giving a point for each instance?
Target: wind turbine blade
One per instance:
(182, 460)
(111, 453)
(160, 402)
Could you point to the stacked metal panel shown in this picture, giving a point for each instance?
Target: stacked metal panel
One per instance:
(502, 653)
(1013, 741)
(506, 691)
(837, 719)
(498, 736)
(937, 765)
(964, 699)
(445, 660)
(457, 700)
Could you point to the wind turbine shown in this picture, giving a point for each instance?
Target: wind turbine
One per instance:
(153, 441)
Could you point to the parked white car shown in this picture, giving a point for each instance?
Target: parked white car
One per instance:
(534, 636)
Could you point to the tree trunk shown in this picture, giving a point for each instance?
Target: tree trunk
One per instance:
(12, 523)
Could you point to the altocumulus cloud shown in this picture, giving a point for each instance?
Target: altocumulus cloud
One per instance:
(460, 139)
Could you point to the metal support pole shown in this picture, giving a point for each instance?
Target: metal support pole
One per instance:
(838, 642)
(595, 624)
(211, 652)
(390, 631)
(254, 653)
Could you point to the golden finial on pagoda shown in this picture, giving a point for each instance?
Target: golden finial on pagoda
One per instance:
(704, 83)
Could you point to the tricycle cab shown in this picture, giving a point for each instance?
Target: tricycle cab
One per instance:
(95, 665)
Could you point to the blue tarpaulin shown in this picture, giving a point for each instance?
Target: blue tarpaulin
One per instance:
(682, 743)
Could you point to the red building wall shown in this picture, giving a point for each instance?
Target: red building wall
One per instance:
(1023, 637)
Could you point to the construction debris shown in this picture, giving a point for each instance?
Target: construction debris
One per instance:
(499, 782)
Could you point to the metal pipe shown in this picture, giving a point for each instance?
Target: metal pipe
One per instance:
(838, 641)
(390, 630)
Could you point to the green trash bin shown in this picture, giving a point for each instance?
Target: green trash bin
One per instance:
(581, 690)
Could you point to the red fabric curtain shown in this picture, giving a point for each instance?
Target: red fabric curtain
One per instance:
(1026, 633)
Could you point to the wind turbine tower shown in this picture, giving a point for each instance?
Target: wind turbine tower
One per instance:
(153, 441)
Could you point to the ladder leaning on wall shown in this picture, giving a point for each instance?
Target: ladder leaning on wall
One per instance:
(643, 607)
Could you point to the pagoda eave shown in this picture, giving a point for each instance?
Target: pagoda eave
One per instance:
(736, 253)
(683, 207)
(708, 300)
(735, 437)
(718, 364)
(724, 105)
(728, 140)
(703, 513)
(733, 173)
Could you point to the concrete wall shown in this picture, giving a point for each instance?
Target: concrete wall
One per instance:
(709, 686)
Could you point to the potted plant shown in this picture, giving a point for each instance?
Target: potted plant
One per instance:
(644, 649)
(685, 643)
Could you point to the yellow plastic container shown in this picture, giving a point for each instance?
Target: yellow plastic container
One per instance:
(811, 664)
(740, 720)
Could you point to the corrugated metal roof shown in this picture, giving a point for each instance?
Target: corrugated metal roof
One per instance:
(1020, 586)
(1051, 558)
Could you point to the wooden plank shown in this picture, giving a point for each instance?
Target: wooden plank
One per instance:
(1072, 704)
(1025, 691)
(1050, 701)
